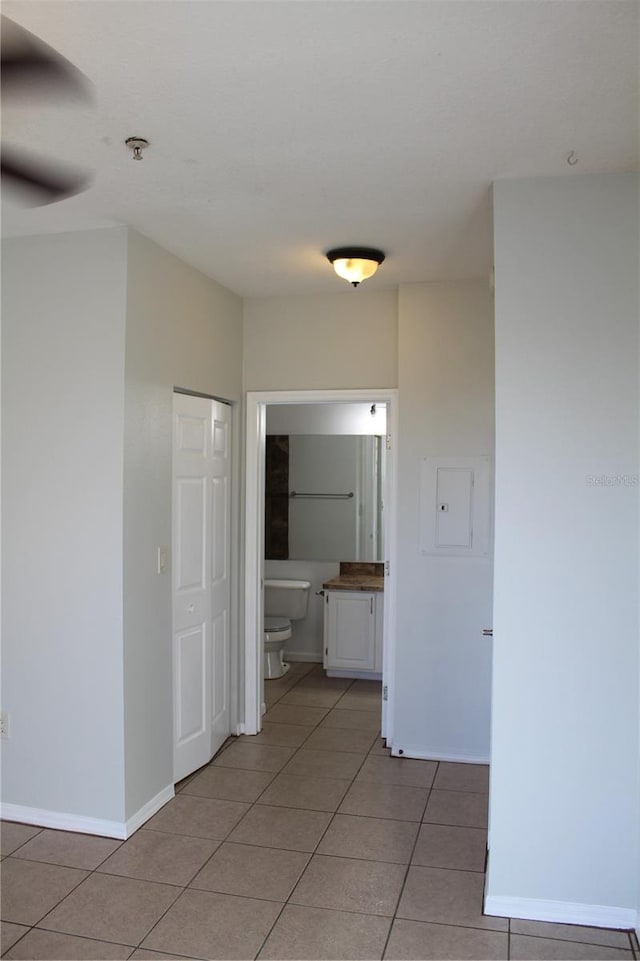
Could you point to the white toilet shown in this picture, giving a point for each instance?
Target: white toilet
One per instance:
(284, 601)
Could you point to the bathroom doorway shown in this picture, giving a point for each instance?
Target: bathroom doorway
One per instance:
(256, 432)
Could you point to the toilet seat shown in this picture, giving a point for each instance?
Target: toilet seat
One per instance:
(272, 624)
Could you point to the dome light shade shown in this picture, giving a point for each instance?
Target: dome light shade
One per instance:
(355, 263)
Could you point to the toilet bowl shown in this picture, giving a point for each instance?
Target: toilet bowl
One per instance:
(285, 600)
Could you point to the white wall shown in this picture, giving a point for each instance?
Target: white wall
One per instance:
(63, 313)
(564, 786)
(442, 684)
(307, 638)
(321, 342)
(326, 419)
(183, 330)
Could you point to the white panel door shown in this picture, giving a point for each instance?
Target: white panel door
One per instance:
(201, 467)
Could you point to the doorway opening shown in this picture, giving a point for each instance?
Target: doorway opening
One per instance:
(256, 433)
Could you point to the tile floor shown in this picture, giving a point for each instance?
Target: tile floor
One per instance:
(307, 841)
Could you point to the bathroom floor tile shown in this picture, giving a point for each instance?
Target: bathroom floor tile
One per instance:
(524, 948)
(385, 801)
(200, 817)
(30, 889)
(295, 714)
(153, 856)
(309, 793)
(279, 735)
(353, 720)
(320, 682)
(10, 933)
(360, 701)
(366, 887)
(203, 924)
(254, 757)
(311, 697)
(446, 897)
(462, 777)
(458, 807)
(445, 846)
(250, 871)
(67, 848)
(324, 764)
(108, 908)
(228, 784)
(397, 770)
(338, 739)
(373, 839)
(279, 827)
(306, 934)
(571, 932)
(417, 941)
(360, 686)
(13, 835)
(51, 946)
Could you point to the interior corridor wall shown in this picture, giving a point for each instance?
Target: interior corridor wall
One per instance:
(63, 318)
(183, 330)
(565, 704)
(443, 663)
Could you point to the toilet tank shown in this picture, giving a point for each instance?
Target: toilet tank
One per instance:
(286, 598)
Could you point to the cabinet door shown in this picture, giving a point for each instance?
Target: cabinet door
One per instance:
(350, 631)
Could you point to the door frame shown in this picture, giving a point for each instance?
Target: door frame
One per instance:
(256, 429)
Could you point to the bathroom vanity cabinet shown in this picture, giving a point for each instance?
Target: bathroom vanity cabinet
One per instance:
(353, 622)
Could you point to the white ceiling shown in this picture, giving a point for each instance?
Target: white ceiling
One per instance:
(280, 128)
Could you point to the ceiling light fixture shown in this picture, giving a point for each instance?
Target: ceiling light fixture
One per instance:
(355, 264)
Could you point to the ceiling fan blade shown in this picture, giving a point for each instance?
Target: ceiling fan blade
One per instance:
(30, 69)
(39, 182)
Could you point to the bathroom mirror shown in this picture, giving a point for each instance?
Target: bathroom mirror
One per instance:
(323, 497)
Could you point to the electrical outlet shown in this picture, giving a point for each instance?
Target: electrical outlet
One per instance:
(4, 724)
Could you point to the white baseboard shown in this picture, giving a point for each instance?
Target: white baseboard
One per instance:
(561, 912)
(80, 824)
(303, 656)
(423, 755)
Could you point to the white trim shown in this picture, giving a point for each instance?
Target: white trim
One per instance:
(256, 403)
(149, 809)
(80, 824)
(561, 912)
(299, 656)
(423, 755)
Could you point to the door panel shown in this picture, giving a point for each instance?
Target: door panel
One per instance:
(201, 589)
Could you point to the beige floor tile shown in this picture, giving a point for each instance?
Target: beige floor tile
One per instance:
(311, 697)
(366, 887)
(109, 908)
(275, 827)
(280, 735)
(366, 687)
(13, 835)
(462, 777)
(153, 856)
(309, 933)
(446, 897)
(30, 889)
(571, 932)
(398, 770)
(254, 757)
(324, 683)
(200, 817)
(10, 933)
(374, 839)
(202, 924)
(228, 784)
(51, 946)
(324, 764)
(360, 701)
(445, 846)
(156, 955)
(379, 747)
(339, 739)
(300, 669)
(309, 793)
(295, 714)
(385, 801)
(252, 872)
(462, 808)
(524, 948)
(417, 941)
(353, 720)
(72, 850)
